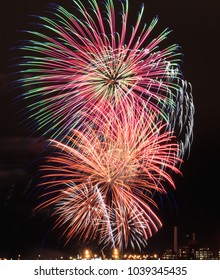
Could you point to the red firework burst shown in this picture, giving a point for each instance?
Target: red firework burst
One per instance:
(106, 177)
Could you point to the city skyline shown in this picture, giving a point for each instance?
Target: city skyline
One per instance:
(190, 249)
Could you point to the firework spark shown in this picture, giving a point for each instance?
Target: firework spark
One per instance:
(105, 177)
(76, 64)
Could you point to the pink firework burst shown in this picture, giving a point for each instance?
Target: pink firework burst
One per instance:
(76, 64)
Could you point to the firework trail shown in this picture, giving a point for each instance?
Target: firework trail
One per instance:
(119, 116)
(76, 64)
(101, 183)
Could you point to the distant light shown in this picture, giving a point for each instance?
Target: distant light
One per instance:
(87, 254)
(115, 254)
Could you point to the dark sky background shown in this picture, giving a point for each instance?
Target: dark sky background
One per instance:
(194, 206)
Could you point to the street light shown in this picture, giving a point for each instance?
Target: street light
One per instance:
(115, 254)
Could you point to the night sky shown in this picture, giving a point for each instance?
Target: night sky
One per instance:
(193, 207)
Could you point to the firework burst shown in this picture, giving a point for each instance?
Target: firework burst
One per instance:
(76, 64)
(105, 177)
(119, 116)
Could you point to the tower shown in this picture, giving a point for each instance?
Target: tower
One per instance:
(175, 240)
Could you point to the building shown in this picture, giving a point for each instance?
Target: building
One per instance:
(204, 254)
(169, 255)
(183, 253)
